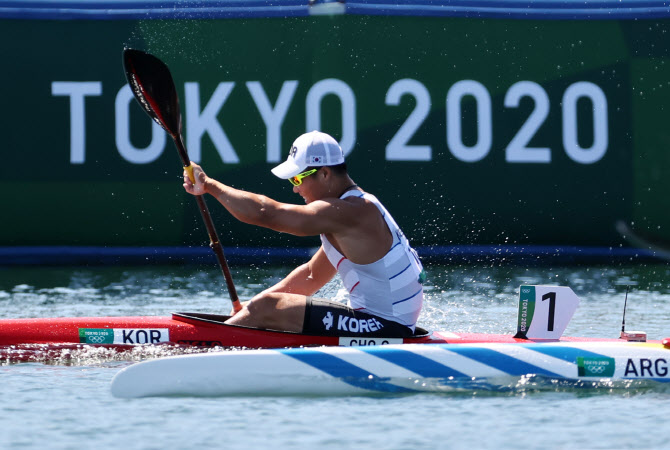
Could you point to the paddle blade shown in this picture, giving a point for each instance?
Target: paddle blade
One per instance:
(151, 82)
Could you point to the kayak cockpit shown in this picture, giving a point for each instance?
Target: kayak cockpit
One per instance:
(220, 319)
(200, 317)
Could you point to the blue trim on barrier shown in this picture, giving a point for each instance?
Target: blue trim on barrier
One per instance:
(457, 254)
(534, 254)
(151, 9)
(56, 255)
(218, 9)
(516, 9)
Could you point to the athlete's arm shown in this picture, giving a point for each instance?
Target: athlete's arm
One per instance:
(307, 278)
(317, 217)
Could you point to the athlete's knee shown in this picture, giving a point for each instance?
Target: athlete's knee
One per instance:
(263, 303)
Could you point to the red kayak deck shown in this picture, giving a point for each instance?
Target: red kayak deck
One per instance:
(191, 329)
(203, 330)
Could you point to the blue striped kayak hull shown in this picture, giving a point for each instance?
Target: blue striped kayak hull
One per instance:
(393, 369)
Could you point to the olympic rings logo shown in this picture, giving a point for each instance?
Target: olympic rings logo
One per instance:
(596, 369)
(96, 339)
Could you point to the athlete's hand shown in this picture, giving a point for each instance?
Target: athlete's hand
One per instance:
(200, 180)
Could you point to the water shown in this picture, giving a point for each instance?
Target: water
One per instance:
(69, 405)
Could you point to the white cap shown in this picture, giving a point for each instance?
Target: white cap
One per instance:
(313, 149)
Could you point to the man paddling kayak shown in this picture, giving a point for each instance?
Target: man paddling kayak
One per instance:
(360, 240)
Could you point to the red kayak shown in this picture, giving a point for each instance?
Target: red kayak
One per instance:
(191, 329)
(20, 339)
(201, 330)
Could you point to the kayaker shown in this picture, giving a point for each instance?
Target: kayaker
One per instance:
(360, 240)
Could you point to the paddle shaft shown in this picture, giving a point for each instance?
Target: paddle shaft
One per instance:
(153, 87)
(214, 241)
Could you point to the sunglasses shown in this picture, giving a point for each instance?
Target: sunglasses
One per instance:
(297, 180)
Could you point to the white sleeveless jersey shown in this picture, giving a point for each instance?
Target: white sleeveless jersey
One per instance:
(390, 287)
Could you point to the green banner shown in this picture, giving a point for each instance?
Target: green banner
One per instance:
(471, 131)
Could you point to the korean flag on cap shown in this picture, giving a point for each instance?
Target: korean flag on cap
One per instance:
(310, 149)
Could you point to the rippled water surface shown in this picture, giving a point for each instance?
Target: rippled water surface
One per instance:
(70, 405)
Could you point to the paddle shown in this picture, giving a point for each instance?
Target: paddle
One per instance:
(151, 82)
